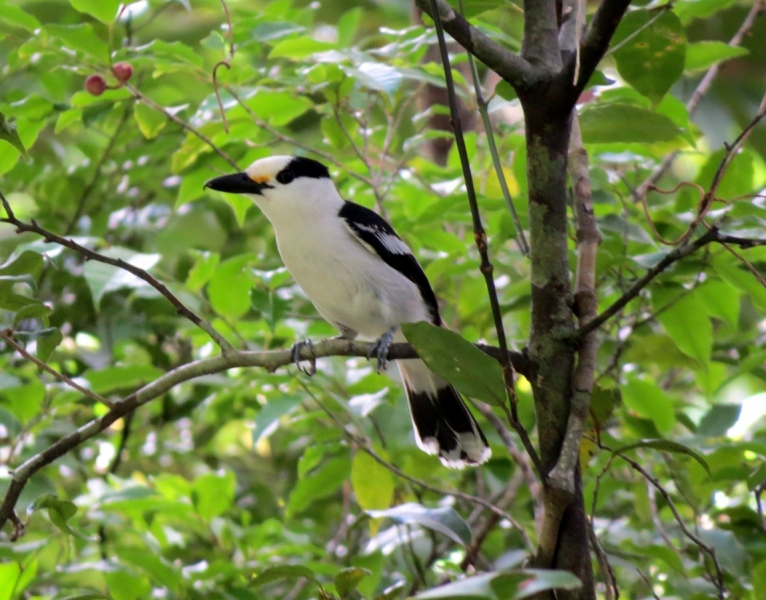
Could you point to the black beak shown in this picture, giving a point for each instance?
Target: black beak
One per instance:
(238, 183)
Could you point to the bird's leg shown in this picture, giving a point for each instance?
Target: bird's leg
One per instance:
(381, 347)
(296, 354)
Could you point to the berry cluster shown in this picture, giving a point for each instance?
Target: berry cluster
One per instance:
(96, 84)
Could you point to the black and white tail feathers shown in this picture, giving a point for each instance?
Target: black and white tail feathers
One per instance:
(443, 424)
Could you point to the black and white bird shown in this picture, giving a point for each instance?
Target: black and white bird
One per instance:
(364, 280)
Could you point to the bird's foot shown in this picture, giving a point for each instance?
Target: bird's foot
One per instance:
(381, 347)
(296, 354)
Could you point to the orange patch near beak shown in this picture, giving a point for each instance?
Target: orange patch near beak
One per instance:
(260, 178)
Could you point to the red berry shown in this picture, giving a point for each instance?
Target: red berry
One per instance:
(122, 71)
(95, 85)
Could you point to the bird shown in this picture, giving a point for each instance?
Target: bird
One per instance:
(364, 280)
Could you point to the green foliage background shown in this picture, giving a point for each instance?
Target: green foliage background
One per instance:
(226, 476)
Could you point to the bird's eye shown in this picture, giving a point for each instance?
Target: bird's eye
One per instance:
(286, 176)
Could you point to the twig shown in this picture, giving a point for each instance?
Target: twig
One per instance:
(224, 63)
(479, 234)
(180, 307)
(483, 104)
(648, 584)
(758, 491)
(510, 66)
(701, 90)
(6, 335)
(612, 592)
(268, 359)
(149, 102)
(709, 550)
(293, 142)
(634, 290)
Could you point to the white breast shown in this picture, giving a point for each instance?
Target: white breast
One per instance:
(348, 284)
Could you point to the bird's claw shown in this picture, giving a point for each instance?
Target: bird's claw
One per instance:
(380, 349)
(296, 354)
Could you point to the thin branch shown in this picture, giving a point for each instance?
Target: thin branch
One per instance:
(224, 63)
(648, 584)
(180, 307)
(761, 519)
(269, 360)
(293, 142)
(634, 290)
(149, 102)
(484, 112)
(7, 334)
(511, 67)
(701, 90)
(480, 235)
(709, 550)
(612, 592)
(594, 45)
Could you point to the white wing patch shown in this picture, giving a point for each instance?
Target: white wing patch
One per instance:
(390, 242)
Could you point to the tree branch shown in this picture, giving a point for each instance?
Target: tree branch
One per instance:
(511, 67)
(586, 306)
(268, 359)
(701, 90)
(674, 256)
(7, 334)
(180, 307)
(595, 43)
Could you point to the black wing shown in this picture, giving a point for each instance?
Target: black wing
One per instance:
(377, 236)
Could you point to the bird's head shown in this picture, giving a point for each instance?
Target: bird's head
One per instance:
(281, 184)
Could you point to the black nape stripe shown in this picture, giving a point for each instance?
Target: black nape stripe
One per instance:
(308, 167)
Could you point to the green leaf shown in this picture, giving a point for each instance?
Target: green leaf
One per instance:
(741, 278)
(9, 575)
(103, 278)
(59, 512)
(348, 25)
(83, 39)
(703, 55)
(688, 325)
(667, 446)
(267, 302)
(160, 570)
(126, 586)
(720, 300)
(25, 401)
(347, 579)
(458, 361)
(300, 47)
(229, 287)
(372, 482)
(508, 585)
(268, 417)
(323, 482)
(649, 402)
(203, 269)
(150, 121)
(278, 108)
(687, 10)
(213, 494)
(717, 421)
(621, 123)
(104, 10)
(13, 15)
(10, 134)
(376, 76)
(651, 59)
(283, 572)
(119, 378)
(445, 520)
(759, 581)
(757, 477)
(46, 344)
(505, 90)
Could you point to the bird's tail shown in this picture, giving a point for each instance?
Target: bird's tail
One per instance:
(443, 424)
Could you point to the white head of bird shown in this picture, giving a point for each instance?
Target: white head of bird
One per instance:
(284, 187)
